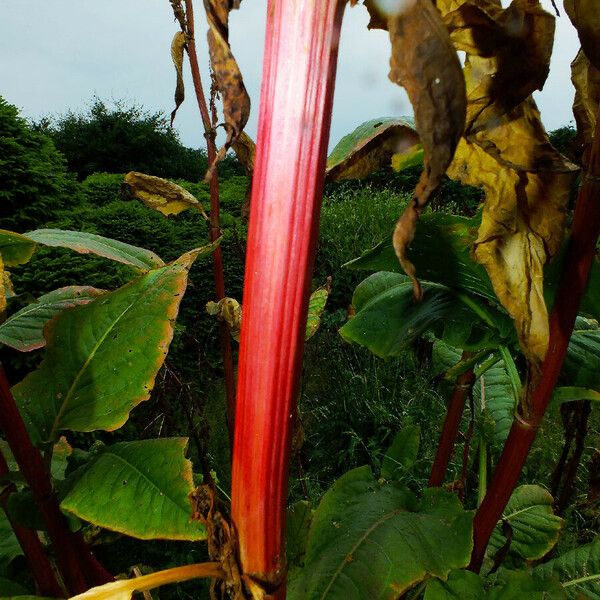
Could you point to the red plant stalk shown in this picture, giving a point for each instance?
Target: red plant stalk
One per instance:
(79, 568)
(578, 261)
(295, 112)
(215, 229)
(462, 389)
(33, 549)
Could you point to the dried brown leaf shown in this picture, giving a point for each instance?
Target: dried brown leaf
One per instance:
(161, 195)
(585, 16)
(425, 63)
(177, 49)
(236, 102)
(586, 79)
(245, 150)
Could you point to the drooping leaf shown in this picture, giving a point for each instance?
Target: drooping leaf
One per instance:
(24, 330)
(460, 585)
(577, 570)
(586, 79)
(15, 249)
(574, 394)
(90, 243)
(299, 517)
(387, 318)
(140, 489)
(236, 102)
(402, 454)
(582, 361)
(370, 147)
(373, 540)
(425, 63)
(230, 311)
(101, 358)
(160, 194)
(316, 307)
(245, 150)
(535, 528)
(585, 16)
(177, 49)
(518, 585)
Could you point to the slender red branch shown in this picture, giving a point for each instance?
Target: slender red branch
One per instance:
(462, 389)
(215, 228)
(295, 112)
(78, 567)
(578, 261)
(33, 549)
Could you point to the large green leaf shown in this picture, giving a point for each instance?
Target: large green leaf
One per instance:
(90, 243)
(299, 517)
(375, 540)
(370, 147)
(387, 318)
(9, 546)
(443, 357)
(577, 570)
(15, 249)
(9, 588)
(101, 358)
(24, 330)
(460, 585)
(582, 362)
(138, 488)
(535, 528)
(402, 454)
(524, 585)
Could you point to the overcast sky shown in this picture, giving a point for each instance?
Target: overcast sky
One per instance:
(56, 55)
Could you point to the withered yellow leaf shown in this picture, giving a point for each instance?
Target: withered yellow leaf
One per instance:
(425, 63)
(6, 288)
(177, 50)
(585, 16)
(586, 79)
(230, 311)
(161, 195)
(245, 150)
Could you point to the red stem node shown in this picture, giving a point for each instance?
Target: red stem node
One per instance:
(294, 119)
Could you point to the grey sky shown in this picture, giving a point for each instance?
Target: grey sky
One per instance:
(56, 54)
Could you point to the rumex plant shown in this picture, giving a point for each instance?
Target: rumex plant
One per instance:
(497, 296)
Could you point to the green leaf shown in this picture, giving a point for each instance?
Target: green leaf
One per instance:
(521, 585)
(460, 585)
(299, 517)
(370, 147)
(9, 546)
(15, 249)
(443, 357)
(573, 394)
(24, 330)
(316, 307)
(101, 358)
(577, 570)
(441, 252)
(402, 454)
(535, 527)
(90, 243)
(387, 318)
(9, 588)
(140, 489)
(582, 362)
(374, 540)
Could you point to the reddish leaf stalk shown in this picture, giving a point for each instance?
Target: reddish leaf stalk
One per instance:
(295, 112)
(78, 567)
(215, 228)
(33, 549)
(579, 258)
(462, 389)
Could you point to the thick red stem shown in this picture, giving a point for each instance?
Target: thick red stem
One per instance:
(33, 549)
(462, 389)
(215, 228)
(295, 111)
(78, 567)
(579, 258)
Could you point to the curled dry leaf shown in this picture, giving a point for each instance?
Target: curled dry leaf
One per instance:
(177, 50)
(161, 195)
(586, 79)
(236, 102)
(370, 147)
(6, 288)
(230, 311)
(245, 149)
(425, 63)
(585, 16)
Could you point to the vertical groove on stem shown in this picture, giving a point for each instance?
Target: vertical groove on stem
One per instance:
(78, 567)
(33, 549)
(462, 389)
(295, 111)
(215, 229)
(580, 255)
